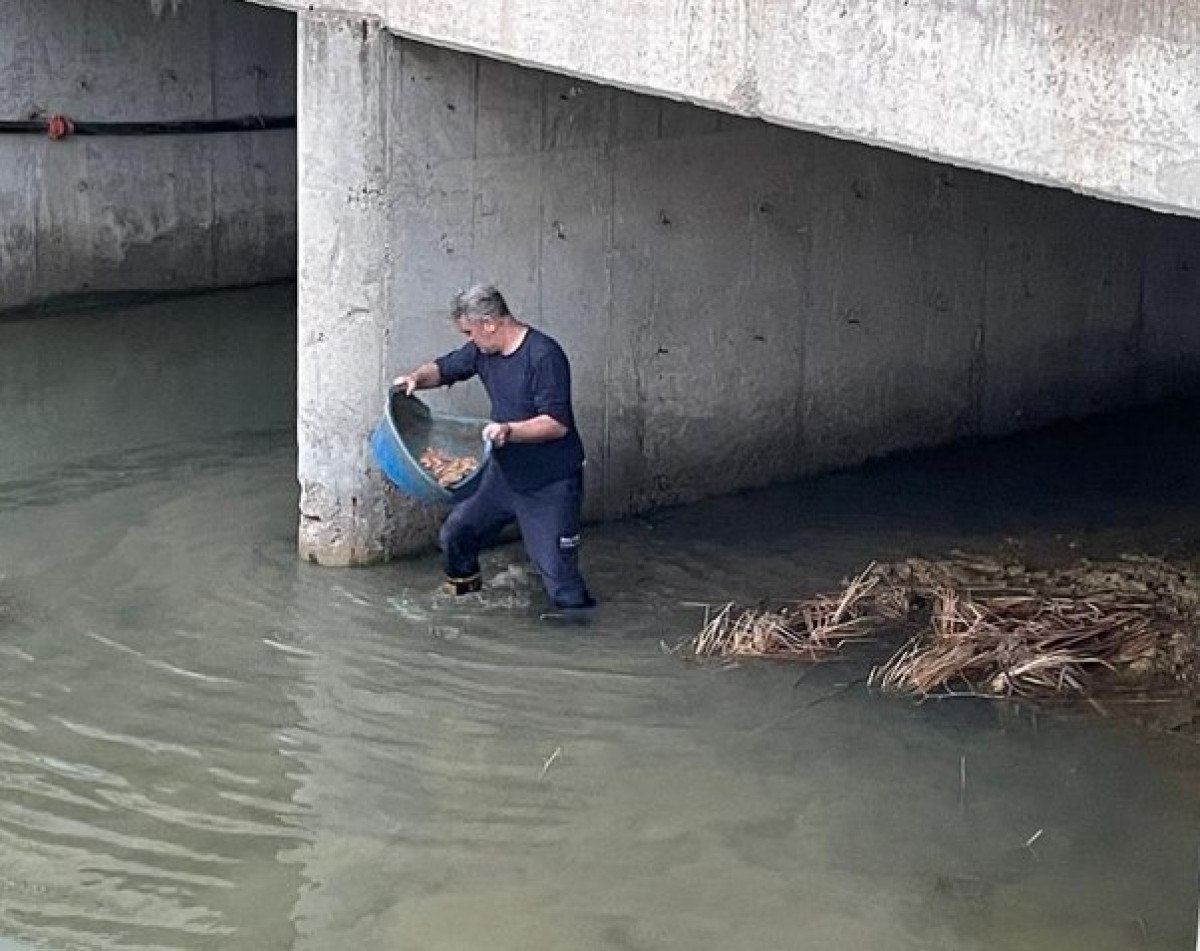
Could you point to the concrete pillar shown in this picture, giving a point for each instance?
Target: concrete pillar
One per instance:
(343, 285)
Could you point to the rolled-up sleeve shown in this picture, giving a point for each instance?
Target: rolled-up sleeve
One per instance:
(458, 365)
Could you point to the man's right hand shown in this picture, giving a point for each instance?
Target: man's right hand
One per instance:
(407, 383)
(425, 377)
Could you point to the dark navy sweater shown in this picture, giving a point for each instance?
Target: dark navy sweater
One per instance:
(533, 380)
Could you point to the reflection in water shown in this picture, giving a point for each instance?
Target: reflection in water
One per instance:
(205, 743)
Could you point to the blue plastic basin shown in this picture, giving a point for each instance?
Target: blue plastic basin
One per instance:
(407, 429)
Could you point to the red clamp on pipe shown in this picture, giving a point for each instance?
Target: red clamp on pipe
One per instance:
(59, 127)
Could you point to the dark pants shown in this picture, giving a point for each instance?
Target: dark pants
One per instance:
(549, 519)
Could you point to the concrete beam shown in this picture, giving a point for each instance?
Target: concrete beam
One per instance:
(342, 97)
(1097, 96)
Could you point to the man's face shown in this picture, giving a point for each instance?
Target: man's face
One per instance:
(482, 333)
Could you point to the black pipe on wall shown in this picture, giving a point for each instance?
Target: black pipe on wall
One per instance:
(58, 127)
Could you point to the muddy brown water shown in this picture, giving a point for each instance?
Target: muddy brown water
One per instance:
(207, 744)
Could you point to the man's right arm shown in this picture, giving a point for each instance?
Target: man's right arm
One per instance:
(425, 377)
(454, 367)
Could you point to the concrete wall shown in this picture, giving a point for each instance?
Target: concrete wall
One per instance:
(746, 303)
(1098, 96)
(95, 214)
(743, 303)
(98, 381)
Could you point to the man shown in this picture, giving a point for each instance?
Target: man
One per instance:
(536, 473)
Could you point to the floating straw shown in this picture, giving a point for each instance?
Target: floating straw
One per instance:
(987, 627)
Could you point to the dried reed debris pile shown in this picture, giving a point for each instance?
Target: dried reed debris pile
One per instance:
(812, 629)
(991, 627)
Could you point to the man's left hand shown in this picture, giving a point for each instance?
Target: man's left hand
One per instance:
(498, 434)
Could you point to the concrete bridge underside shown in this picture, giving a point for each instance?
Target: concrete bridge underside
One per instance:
(1097, 96)
(743, 302)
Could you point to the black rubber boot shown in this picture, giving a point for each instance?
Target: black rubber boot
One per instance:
(461, 586)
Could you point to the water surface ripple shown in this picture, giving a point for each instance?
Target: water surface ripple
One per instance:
(207, 744)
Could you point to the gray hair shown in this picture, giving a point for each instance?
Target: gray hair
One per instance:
(480, 302)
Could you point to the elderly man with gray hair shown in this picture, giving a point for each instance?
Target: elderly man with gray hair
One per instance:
(536, 475)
